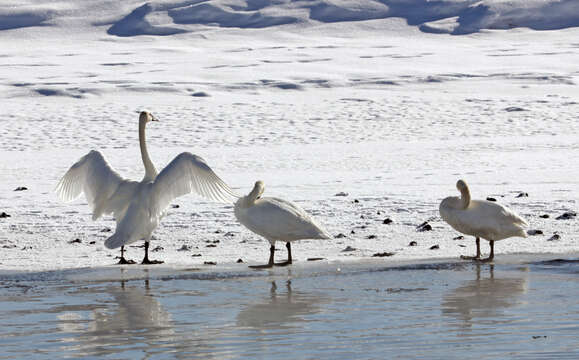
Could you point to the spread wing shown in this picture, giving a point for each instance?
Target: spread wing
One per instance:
(93, 176)
(185, 174)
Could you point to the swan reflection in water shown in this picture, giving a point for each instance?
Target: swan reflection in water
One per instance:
(132, 320)
(280, 310)
(484, 298)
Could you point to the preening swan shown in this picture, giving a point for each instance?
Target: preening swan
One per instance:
(139, 206)
(481, 219)
(276, 220)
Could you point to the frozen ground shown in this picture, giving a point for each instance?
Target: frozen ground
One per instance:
(314, 98)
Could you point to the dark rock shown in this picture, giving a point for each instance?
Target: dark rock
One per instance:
(175, 206)
(185, 247)
(339, 236)
(378, 212)
(8, 246)
(158, 248)
(26, 248)
(356, 201)
(567, 215)
(361, 216)
(535, 337)
(4, 215)
(371, 237)
(459, 237)
(413, 243)
(239, 261)
(21, 188)
(383, 254)
(341, 193)
(461, 245)
(425, 226)
(534, 232)
(491, 199)
(92, 242)
(212, 241)
(522, 194)
(106, 230)
(544, 216)
(387, 221)
(217, 232)
(210, 263)
(352, 232)
(229, 233)
(555, 237)
(211, 246)
(196, 255)
(316, 259)
(200, 94)
(434, 247)
(349, 248)
(75, 241)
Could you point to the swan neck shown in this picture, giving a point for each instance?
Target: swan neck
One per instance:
(150, 171)
(465, 197)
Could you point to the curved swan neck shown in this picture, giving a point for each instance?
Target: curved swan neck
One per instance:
(465, 197)
(150, 171)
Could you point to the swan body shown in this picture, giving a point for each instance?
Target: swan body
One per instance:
(480, 218)
(139, 206)
(276, 220)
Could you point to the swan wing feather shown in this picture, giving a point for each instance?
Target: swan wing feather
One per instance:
(94, 177)
(277, 219)
(185, 174)
(489, 220)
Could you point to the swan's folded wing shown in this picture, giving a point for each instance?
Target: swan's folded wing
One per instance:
(93, 176)
(185, 174)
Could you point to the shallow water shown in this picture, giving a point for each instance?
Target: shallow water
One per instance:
(441, 310)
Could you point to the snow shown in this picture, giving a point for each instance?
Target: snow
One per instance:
(388, 101)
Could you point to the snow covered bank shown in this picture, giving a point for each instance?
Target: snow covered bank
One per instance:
(314, 98)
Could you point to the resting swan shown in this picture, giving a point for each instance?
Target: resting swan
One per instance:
(276, 220)
(139, 206)
(481, 219)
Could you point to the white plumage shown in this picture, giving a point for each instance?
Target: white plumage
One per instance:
(276, 220)
(139, 206)
(481, 219)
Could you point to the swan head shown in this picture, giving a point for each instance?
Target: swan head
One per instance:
(253, 196)
(461, 185)
(258, 189)
(145, 117)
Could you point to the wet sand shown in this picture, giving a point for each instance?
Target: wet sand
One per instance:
(519, 307)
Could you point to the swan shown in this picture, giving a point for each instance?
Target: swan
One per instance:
(276, 220)
(138, 206)
(481, 219)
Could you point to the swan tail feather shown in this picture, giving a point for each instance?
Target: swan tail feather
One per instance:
(115, 241)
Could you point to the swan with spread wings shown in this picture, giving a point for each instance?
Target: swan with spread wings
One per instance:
(138, 206)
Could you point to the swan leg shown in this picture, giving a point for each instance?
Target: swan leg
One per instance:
(289, 256)
(477, 257)
(146, 260)
(124, 261)
(492, 254)
(269, 263)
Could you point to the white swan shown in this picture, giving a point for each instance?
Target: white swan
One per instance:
(138, 206)
(276, 220)
(481, 219)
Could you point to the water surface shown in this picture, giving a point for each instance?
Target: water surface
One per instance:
(332, 311)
